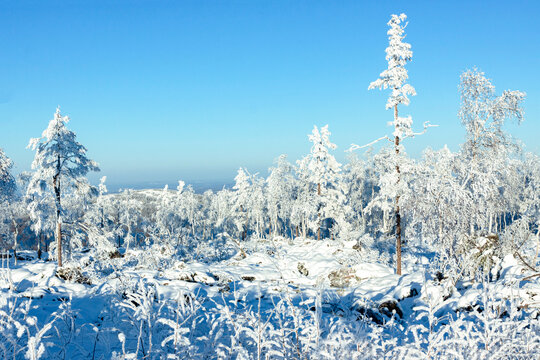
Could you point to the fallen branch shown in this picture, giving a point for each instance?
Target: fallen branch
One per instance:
(524, 262)
(530, 277)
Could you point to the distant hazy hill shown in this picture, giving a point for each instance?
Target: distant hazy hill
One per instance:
(199, 187)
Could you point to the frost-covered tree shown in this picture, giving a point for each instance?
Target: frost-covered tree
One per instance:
(483, 113)
(188, 205)
(322, 165)
(207, 216)
(398, 53)
(390, 184)
(167, 216)
(488, 156)
(258, 202)
(96, 221)
(13, 220)
(222, 211)
(438, 200)
(528, 201)
(242, 199)
(321, 170)
(130, 212)
(304, 215)
(7, 181)
(78, 201)
(361, 181)
(41, 211)
(7, 193)
(487, 147)
(280, 185)
(101, 201)
(60, 162)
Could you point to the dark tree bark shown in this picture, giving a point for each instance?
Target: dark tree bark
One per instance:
(319, 214)
(39, 242)
(397, 212)
(57, 192)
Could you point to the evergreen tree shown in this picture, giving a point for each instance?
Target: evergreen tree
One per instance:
(398, 53)
(323, 171)
(60, 162)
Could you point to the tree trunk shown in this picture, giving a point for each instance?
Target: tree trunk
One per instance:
(102, 225)
(246, 227)
(56, 186)
(398, 215)
(319, 214)
(128, 237)
(40, 240)
(59, 241)
(16, 235)
(244, 230)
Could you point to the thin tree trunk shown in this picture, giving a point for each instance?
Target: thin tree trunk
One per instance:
(192, 216)
(537, 247)
(59, 241)
(128, 237)
(102, 225)
(244, 230)
(398, 215)
(56, 186)
(16, 235)
(319, 214)
(39, 241)
(246, 227)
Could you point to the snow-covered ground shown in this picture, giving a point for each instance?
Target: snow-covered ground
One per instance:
(279, 299)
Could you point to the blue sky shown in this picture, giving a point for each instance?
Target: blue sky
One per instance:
(165, 90)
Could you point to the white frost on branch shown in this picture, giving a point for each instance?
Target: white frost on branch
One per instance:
(57, 150)
(398, 53)
(322, 165)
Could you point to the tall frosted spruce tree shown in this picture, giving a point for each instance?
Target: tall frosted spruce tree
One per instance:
(398, 53)
(60, 162)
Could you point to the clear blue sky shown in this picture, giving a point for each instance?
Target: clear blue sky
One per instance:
(166, 90)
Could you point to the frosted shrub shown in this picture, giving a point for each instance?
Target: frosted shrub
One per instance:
(479, 253)
(139, 307)
(20, 333)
